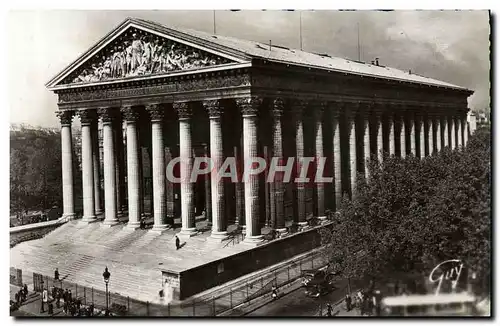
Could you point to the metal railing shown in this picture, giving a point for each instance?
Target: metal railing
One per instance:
(120, 305)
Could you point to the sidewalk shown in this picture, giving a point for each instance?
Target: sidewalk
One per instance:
(31, 307)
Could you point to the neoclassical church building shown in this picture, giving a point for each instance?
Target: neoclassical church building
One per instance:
(184, 93)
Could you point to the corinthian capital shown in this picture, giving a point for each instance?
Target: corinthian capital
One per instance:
(130, 114)
(66, 117)
(318, 109)
(249, 106)
(156, 112)
(107, 115)
(278, 107)
(214, 108)
(87, 116)
(183, 110)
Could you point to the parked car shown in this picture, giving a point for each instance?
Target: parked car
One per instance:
(319, 286)
(319, 275)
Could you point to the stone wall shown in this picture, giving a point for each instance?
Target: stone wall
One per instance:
(215, 273)
(33, 231)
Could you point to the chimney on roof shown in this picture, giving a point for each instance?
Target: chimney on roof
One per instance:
(376, 61)
(270, 45)
(409, 71)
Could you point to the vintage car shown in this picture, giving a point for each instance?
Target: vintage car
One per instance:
(318, 275)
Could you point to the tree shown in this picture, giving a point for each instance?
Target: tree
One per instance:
(413, 214)
(35, 169)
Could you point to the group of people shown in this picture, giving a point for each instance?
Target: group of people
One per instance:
(143, 54)
(369, 302)
(20, 297)
(71, 306)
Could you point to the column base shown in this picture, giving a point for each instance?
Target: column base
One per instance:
(303, 226)
(109, 223)
(88, 220)
(99, 212)
(67, 217)
(217, 236)
(188, 233)
(133, 225)
(160, 228)
(254, 240)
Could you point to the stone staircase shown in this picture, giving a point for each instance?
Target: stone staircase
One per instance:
(135, 258)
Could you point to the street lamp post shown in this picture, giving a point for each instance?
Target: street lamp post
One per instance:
(106, 275)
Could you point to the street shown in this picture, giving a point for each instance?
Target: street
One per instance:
(297, 303)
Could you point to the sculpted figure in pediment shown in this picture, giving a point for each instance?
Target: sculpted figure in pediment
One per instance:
(139, 54)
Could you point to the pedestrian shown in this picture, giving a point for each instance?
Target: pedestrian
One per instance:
(51, 308)
(65, 307)
(348, 302)
(274, 292)
(70, 297)
(17, 297)
(56, 274)
(25, 287)
(53, 292)
(177, 242)
(329, 310)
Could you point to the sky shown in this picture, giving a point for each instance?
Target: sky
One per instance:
(451, 46)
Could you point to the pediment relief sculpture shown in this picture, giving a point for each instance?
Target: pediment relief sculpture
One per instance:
(138, 53)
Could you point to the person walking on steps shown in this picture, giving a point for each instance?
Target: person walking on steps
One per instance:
(177, 243)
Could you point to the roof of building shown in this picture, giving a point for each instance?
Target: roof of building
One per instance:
(308, 59)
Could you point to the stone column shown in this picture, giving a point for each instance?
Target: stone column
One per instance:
(249, 107)
(391, 133)
(419, 135)
(320, 187)
(110, 203)
(351, 135)
(157, 113)
(208, 192)
(118, 144)
(186, 156)
(465, 129)
(298, 109)
(412, 133)
(366, 143)
(430, 131)
(133, 173)
(402, 132)
(444, 130)
(240, 214)
(459, 132)
(86, 118)
(337, 158)
(219, 223)
(379, 135)
(279, 191)
(437, 131)
(97, 166)
(66, 118)
(453, 133)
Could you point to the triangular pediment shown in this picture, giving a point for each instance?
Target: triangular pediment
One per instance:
(132, 51)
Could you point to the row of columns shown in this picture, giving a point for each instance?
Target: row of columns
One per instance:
(367, 131)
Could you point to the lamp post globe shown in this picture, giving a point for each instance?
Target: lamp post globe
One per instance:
(106, 275)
